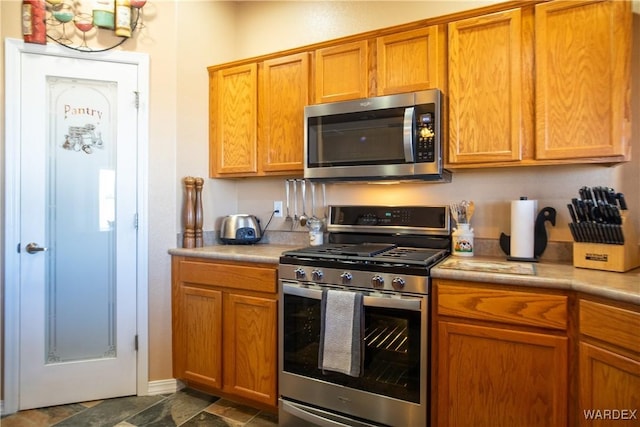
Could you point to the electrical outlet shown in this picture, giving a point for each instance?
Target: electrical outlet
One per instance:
(277, 207)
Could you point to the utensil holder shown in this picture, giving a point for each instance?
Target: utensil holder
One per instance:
(610, 257)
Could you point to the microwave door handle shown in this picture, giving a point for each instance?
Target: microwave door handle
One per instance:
(409, 114)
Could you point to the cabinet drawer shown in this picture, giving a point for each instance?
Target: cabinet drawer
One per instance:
(614, 325)
(505, 306)
(246, 277)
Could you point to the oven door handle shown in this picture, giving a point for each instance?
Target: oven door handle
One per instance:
(403, 303)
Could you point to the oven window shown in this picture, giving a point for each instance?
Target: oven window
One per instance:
(392, 349)
(365, 138)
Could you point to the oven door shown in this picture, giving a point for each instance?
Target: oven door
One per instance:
(393, 387)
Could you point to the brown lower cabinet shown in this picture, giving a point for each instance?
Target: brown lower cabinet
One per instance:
(524, 356)
(225, 328)
(500, 357)
(609, 351)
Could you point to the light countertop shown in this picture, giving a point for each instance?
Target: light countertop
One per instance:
(616, 286)
(263, 253)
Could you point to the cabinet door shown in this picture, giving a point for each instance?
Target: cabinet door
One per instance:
(497, 377)
(341, 72)
(485, 89)
(233, 121)
(284, 93)
(410, 61)
(582, 79)
(198, 338)
(609, 387)
(250, 334)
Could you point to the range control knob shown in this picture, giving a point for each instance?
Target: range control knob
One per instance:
(398, 283)
(300, 274)
(346, 278)
(377, 281)
(316, 275)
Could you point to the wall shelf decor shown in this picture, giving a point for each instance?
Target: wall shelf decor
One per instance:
(69, 24)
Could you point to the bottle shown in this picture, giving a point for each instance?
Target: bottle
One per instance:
(462, 240)
(34, 28)
(103, 13)
(123, 18)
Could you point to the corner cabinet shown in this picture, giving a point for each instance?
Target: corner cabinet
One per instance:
(500, 356)
(225, 328)
(609, 365)
(583, 84)
(255, 116)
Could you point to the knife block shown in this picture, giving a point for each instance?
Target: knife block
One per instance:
(619, 258)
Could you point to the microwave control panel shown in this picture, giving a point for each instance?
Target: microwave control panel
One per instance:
(425, 141)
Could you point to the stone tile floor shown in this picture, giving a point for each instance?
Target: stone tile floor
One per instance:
(185, 408)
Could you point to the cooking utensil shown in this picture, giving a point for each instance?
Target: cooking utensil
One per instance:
(324, 202)
(313, 200)
(470, 210)
(288, 219)
(303, 217)
(295, 201)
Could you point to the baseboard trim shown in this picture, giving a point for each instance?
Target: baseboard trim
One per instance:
(164, 386)
(153, 388)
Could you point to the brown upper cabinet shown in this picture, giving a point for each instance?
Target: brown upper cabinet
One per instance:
(486, 99)
(284, 91)
(411, 60)
(399, 62)
(341, 72)
(256, 112)
(524, 83)
(543, 84)
(233, 120)
(583, 83)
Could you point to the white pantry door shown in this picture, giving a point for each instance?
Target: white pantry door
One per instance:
(78, 230)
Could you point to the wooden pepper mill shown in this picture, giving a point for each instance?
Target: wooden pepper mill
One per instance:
(199, 182)
(189, 217)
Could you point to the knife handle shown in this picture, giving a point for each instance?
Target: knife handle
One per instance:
(572, 213)
(623, 203)
(572, 228)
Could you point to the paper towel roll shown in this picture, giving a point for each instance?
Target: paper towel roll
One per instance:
(523, 222)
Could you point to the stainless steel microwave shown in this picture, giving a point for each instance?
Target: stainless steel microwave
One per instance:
(393, 137)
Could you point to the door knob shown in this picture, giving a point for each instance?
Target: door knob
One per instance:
(32, 248)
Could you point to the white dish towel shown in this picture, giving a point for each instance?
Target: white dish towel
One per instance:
(341, 332)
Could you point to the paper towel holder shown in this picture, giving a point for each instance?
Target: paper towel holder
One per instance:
(540, 236)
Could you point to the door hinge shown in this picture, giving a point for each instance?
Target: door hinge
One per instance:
(137, 99)
(135, 343)
(135, 221)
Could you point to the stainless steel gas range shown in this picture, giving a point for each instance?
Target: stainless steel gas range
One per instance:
(375, 267)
